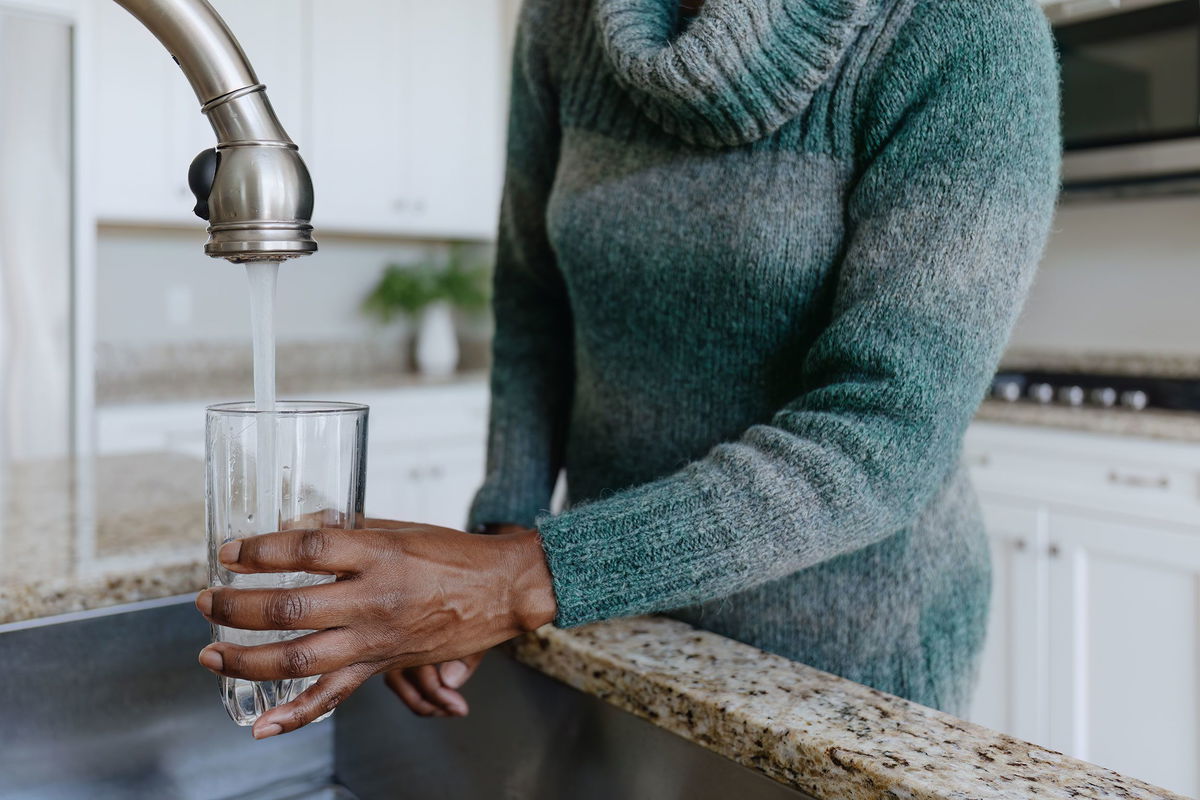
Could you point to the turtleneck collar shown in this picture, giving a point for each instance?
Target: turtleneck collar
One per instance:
(738, 72)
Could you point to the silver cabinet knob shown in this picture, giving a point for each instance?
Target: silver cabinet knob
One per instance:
(1135, 399)
(1071, 395)
(1042, 393)
(1106, 397)
(1008, 391)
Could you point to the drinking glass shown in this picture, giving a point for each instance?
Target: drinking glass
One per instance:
(299, 466)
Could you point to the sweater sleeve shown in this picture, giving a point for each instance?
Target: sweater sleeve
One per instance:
(958, 174)
(532, 368)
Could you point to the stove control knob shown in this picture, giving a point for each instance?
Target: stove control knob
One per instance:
(1008, 391)
(1071, 396)
(1135, 399)
(1106, 397)
(1042, 393)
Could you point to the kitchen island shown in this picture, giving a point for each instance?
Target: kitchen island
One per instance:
(822, 735)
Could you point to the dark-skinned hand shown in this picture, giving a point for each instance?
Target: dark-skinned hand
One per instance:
(433, 690)
(406, 596)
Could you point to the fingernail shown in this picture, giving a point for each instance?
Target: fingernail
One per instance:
(204, 602)
(267, 731)
(454, 674)
(229, 552)
(452, 701)
(210, 658)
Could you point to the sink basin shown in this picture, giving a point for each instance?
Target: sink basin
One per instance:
(112, 705)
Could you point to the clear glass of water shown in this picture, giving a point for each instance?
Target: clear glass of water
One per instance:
(299, 466)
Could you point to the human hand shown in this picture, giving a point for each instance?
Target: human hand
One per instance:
(406, 596)
(433, 690)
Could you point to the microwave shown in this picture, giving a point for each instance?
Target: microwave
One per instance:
(1130, 93)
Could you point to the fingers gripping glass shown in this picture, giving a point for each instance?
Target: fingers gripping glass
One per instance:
(300, 466)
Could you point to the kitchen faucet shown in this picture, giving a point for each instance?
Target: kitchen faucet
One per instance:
(253, 188)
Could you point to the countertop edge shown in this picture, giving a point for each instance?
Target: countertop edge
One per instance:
(1170, 426)
(813, 731)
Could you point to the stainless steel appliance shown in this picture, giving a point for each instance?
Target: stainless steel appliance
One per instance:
(1131, 93)
(254, 188)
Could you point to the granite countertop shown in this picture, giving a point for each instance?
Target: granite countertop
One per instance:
(147, 540)
(823, 735)
(829, 737)
(1176, 426)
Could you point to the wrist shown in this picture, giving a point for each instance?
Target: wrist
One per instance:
(532, 602)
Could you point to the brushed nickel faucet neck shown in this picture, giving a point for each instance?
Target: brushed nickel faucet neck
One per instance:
(253, 188)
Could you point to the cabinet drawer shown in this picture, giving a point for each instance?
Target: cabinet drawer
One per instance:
(1092, 470)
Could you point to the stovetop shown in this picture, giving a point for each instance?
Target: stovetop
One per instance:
(1082, 390)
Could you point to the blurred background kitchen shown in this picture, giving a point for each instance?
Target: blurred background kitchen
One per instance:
(117, 330)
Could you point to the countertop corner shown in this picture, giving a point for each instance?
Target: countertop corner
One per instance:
(816, 732)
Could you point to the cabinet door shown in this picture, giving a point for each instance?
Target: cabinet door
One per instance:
(359, 89)
(1125, 646)
(407, 121)
(1011, 695)
(450, 482)
(454, 125)
(135, 85)
(394, 485)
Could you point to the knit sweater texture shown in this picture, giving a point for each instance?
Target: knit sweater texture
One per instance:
(755, 272)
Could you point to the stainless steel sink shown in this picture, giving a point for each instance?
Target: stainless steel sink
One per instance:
(112, 705)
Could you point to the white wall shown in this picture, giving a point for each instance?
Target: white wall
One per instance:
(1118, 277)
(156, 286)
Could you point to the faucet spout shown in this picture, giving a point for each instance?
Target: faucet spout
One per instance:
(254, 188)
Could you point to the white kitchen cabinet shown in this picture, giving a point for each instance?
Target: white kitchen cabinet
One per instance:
(1094, 645)
(425, 448)
(1124, 611)
(397, 106)
(1011, 694)
(434, 483)
(136, 174)
(407, 134)
(148, 124)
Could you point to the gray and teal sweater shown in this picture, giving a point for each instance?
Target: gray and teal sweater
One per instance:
(755, 272)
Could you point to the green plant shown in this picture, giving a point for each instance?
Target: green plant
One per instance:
(460, 281)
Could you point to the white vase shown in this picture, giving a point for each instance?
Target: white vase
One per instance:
(437, 342)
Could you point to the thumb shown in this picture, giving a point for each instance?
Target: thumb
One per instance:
(455, 673)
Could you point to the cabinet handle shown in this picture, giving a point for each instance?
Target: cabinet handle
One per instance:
(1021, 545)
(982, 460)
(1055, 551)
(1134, 481)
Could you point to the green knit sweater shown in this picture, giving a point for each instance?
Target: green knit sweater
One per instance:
(755, 272)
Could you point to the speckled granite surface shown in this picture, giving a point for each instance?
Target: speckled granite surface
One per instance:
(1178, 365)
(823, 735)
(147, 540)
(201, 370)
(1178, 426)
(826, 736)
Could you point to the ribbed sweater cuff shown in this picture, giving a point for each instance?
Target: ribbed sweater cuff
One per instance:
(628, 554)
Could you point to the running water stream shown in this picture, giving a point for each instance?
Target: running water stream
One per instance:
(263, 276)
